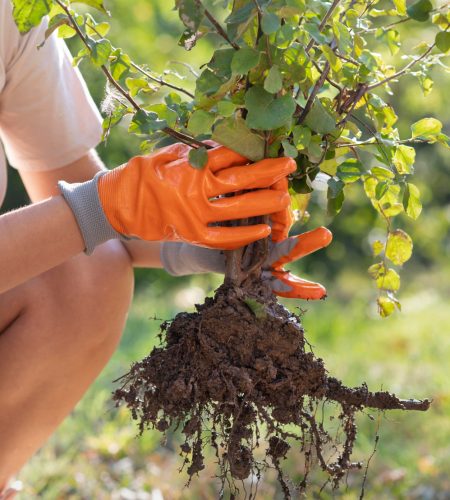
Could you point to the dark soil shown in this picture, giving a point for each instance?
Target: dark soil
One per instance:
(240, 366)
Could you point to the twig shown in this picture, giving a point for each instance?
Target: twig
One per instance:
(159, 80)
(402, 71)
(314, 92)
(323, 22)
(328, 79)
(356, 98)
(217, 26)
(162, 82)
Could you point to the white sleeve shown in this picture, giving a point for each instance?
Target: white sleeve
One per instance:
(47, 117)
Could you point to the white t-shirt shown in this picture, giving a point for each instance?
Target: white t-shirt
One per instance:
(47, 117)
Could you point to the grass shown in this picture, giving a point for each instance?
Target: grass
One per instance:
(95, 454)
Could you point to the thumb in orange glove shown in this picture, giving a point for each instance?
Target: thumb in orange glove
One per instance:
(161, 197)
(286, 284)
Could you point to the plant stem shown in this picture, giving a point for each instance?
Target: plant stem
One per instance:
(217, 26)
(402, 71)
(233, 273)
(162, 82)
(314, 92)
(323, 22)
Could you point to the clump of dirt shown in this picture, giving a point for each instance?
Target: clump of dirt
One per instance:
(240, 365)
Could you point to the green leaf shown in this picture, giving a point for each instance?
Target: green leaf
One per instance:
(376, 270)
(201, 122)
(96, 29)
(399, 247)
(420, 10)
(302, 186)
(316, 34)
(65, 31)
(120, 64)
(289, 149)
(400, 5)
(244, 60)
(226, 108)
(82, 54)
(198, 158)
(208, 83)
(134, 85)
(191, 13)
(145, 122)
(100, 51)
(332, 58)
(55, 23)
(335, 195)
(349, 171)
(257, 308)
(302, 136)
(404, 159)
(381, 189)
(265, 112)
(270, 23)
(382, 173)
(96, 4)
(334, 205)
(411, 201)
(234, 134)
(29, 13)
(320, 119)
(274, 81)
(335, 187)
(426, 128)
(164, 113)
(443, 41)
(242, 14)
(386, 306)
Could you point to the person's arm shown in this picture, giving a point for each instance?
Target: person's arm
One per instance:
(41, 185)
(45, 234)
(35, 239)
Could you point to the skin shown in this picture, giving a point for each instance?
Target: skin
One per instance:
(58, 308)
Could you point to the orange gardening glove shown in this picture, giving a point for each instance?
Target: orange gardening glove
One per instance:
(161, 197)
(284, 250)
(180, 259)
(286, 284)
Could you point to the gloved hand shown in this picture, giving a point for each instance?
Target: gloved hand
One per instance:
(182, 259)
(160, 197)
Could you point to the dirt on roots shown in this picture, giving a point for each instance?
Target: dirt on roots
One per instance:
(240, 366)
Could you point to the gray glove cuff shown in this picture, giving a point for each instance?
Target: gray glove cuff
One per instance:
(83, 199)
(180, 259)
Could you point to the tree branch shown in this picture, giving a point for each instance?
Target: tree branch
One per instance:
(402, 71)
(186, 139)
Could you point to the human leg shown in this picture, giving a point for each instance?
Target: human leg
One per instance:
(57, 333)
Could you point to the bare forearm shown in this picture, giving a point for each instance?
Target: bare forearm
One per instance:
(35, 239)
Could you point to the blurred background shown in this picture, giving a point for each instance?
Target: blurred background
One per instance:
(96, 454)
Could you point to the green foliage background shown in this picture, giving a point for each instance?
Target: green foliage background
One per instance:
(95, 455)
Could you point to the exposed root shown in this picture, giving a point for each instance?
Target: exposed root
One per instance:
(235, 367)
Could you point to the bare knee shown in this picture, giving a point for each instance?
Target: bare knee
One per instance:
(83, 304)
